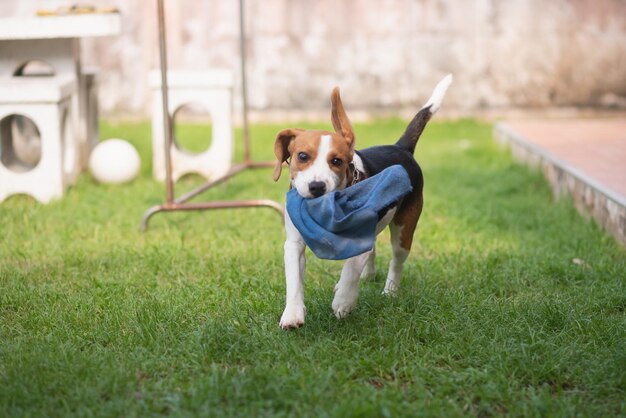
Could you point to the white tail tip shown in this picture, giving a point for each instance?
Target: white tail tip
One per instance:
(438, 94)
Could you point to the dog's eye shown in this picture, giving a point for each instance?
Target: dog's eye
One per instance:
(303, 157)
(337, 162)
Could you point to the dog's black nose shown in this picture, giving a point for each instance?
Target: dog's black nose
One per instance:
(317, 188)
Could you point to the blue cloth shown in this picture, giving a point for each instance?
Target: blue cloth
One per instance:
(342, 224)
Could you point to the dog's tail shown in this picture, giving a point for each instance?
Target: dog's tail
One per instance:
(409, 139)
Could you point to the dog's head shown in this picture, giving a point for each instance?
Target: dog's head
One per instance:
(318, 160)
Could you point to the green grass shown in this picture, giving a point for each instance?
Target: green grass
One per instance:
(494, 318)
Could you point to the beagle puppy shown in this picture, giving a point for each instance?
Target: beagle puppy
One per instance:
(320, 162)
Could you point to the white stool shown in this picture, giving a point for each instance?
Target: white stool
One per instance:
(46, 101)
(213, 91)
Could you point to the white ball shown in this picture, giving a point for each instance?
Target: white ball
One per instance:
(114, 161)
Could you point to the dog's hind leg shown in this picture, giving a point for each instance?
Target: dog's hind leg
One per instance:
(347, 288)
(369, 271)
(398, 257)
(402, 229)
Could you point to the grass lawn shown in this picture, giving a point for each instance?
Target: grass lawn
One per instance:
(493, 318)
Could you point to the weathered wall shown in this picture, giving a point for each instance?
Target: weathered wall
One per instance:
(383, 53)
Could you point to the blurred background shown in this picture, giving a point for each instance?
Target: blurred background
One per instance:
(386, 55)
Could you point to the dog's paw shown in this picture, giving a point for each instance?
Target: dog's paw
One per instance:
(343, 303)
(292, 318)
(390, 289)
(342, 312)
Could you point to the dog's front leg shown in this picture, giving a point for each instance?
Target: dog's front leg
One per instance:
(347, 288)
(295, 267)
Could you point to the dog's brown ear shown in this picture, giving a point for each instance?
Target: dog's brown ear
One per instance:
(281, 148)
(340, 120)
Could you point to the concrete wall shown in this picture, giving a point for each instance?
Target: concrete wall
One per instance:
(383, 53)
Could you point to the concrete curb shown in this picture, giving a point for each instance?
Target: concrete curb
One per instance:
(590, 197)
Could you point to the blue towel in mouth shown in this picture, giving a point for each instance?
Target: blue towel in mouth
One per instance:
(342, 224)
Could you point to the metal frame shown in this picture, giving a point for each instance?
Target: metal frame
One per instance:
(181, 204)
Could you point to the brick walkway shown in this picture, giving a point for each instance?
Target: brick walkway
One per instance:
(585, 158)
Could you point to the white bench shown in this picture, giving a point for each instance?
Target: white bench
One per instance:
(212, 90)
(55, 40)
(46, 101)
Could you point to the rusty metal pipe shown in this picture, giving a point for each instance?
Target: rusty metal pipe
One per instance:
(167, 123)
(244, 84)
(233, 204)
(181, 204)
(193, 193)
(233, 171)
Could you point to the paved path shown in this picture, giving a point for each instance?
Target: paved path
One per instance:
(585, 158)
(594, 147)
